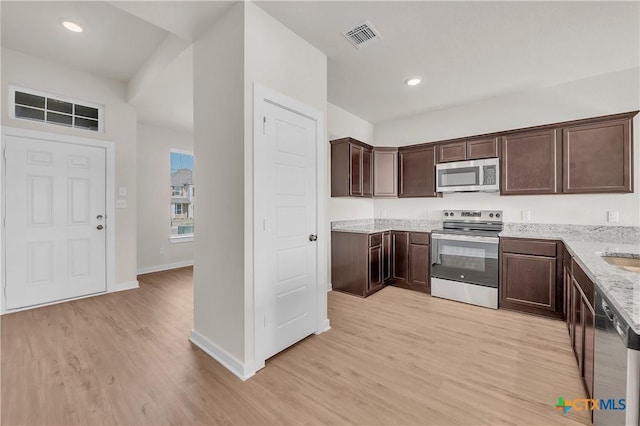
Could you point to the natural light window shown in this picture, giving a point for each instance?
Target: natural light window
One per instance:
(33, 105)
(182, 196)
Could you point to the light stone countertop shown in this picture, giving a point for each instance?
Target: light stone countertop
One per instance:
(584, 242)
(372, 226)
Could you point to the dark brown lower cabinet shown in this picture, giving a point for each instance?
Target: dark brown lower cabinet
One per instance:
(411, 261)
(386, 256)
(529, 276)
(589, 337)
(581, 320)
(400, 255)
(358, 262)
(375, 268)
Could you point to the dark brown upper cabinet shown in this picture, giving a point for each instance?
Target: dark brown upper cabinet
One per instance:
(452, 151)
(385, 172)
(593, 155)
(474, 149)
(483, 148)
(597, 157)
(351, 168)
(417, 171)
(531, 163)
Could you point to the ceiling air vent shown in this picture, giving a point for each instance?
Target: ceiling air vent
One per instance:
(362, 35)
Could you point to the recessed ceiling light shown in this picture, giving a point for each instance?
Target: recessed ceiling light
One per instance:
(413, 81)
(71, 26)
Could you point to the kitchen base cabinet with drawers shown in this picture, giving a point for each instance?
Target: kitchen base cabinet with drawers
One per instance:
(411, 255)
(531, 276)
(360, 263)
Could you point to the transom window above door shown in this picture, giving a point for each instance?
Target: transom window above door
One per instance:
(34, 105)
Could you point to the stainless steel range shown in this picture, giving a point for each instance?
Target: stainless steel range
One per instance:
(464, 257)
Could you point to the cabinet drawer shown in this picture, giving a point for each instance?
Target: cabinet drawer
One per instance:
(375, 240)
(585, 283)
(526, 246)
(419, 238)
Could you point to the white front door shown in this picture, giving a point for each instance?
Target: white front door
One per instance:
(285, 194)
(55, 233)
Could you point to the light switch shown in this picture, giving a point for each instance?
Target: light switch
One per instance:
(122, 191)
(121, 204)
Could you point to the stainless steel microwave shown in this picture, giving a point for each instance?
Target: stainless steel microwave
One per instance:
(465, 176)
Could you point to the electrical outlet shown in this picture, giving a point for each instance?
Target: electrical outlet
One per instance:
(525, 215)
(612, 216)
(161, 250)
(121, 204)
(122, 191)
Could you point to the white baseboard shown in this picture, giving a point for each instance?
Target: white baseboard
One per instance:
(329, 287)
(129, 285)
(324, 326)
(242, 371)
(165, 267)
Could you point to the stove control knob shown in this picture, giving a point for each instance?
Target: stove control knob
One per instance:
(451, 213)
(497, 214)
(446, 214)
(490, 214)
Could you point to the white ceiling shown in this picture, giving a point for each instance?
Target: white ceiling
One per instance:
(465, 50)
(114, 44)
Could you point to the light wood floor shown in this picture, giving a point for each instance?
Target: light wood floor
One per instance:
(397, 357)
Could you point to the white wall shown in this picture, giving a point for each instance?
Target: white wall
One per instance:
(218, 280)
(342, 124)
(244, 47)
(120, 128)
(154, 179)
(600, 95)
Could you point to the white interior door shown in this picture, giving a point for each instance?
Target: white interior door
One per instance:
(285, 194)
(55, 236)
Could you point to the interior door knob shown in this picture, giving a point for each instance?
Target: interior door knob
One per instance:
(100, 227)
(313, 237)
(99, 217)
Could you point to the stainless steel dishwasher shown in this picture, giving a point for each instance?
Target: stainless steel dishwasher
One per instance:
(616, 369)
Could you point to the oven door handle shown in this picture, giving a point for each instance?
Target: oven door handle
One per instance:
(473, 238)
